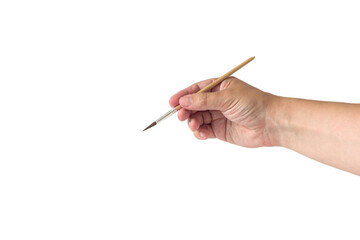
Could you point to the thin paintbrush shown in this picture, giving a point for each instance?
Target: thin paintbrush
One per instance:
(208, 87)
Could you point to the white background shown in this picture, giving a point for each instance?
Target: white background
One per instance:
(79, 80)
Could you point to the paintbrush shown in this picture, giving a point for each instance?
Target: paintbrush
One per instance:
(208, 87)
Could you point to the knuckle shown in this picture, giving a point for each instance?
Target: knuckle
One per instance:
(228, 82)
(202, 99)
(194, 88)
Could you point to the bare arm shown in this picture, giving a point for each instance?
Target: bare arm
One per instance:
(325, 131)
(241, 114)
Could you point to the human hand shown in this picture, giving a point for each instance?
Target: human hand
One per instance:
(238, 113)
(233, 111)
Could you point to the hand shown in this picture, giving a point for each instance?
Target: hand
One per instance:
(233, 111)
(238, 113)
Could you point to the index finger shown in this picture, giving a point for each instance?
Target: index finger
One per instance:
(174, 100)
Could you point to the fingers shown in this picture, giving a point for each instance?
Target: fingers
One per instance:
(204, 132)
(204, 101)
(183, 114)
(198, 119)
(200, 123)
(174, 100)
(201, 101)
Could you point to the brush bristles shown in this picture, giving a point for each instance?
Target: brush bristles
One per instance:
(150, 126)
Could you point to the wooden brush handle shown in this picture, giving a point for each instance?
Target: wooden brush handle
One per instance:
(220, 79)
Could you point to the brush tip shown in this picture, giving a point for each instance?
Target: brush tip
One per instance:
(150, 126)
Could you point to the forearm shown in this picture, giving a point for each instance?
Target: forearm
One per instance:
(325, 131)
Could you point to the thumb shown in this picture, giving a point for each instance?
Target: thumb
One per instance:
(203, 101)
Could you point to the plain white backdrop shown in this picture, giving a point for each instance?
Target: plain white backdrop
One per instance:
(79, 80)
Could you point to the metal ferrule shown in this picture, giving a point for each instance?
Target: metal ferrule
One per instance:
(166, 115)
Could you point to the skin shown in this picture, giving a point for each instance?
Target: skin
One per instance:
(241, 114)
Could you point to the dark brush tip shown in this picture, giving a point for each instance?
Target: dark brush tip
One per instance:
(150, 126)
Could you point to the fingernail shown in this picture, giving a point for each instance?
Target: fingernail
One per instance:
(185, 101)
(202, 135)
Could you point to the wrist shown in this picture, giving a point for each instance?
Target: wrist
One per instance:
(276, 120)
